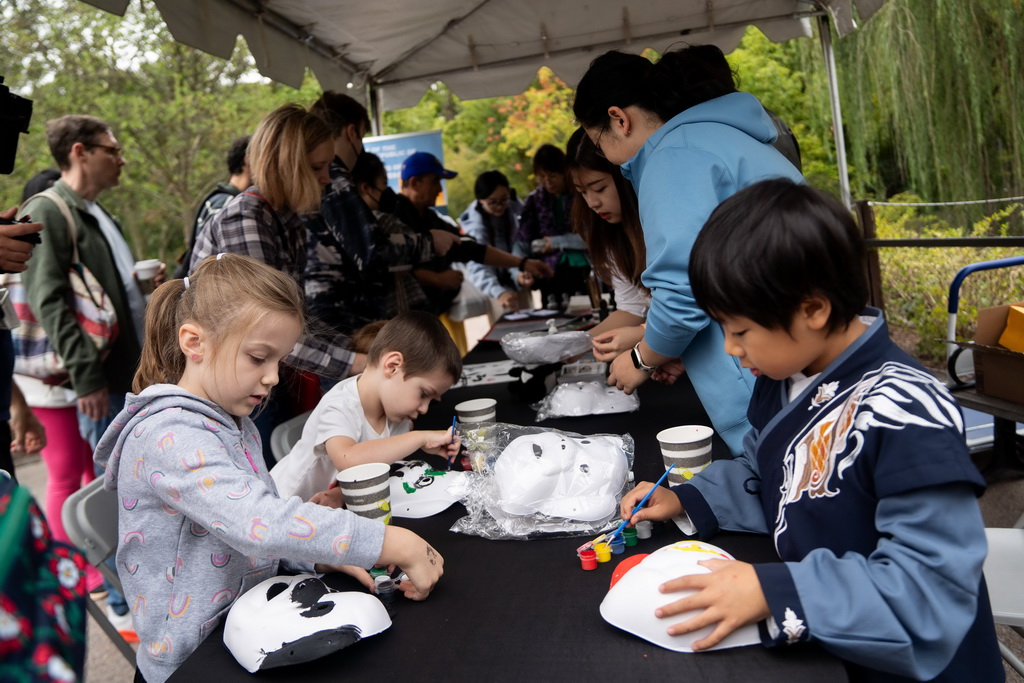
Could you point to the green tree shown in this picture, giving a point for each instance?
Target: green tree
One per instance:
(173, 108)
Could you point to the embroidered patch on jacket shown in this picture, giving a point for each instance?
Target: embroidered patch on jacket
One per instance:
(826, 392)
(792, 626)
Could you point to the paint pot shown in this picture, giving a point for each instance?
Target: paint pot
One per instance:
(378, 571)
(588, 558)
(387, 591)
(618, 546)
(604, 552)
(629, 536)
(644, 528)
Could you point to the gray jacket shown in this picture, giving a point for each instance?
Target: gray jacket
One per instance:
(200, 521)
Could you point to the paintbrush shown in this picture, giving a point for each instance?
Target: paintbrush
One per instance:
(454, 417)
(607, 538)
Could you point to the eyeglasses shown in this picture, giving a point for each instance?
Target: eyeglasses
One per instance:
(496, 203)
(113, 150)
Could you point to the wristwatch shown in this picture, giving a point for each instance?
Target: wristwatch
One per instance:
(638, 362)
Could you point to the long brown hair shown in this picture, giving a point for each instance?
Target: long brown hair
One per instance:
(611, 247)
(226, 294)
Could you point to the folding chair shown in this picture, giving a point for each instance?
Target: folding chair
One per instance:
(90, 521)
(1006, 582)
(286, 435)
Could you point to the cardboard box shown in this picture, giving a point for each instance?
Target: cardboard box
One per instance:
(1013, 334)
(998, 371)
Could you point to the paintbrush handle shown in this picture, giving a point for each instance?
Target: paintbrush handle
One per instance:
(640, 505)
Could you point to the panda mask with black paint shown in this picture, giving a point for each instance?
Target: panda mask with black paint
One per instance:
(294, 619)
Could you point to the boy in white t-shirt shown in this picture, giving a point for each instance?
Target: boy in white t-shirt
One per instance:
(368, 418)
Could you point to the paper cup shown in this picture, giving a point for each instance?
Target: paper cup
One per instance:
(477, 411)
(145, 271)
(686, 450)
(367, 490)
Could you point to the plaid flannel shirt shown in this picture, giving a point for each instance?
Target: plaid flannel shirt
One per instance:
(249, 225)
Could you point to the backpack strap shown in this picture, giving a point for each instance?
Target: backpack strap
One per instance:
(65, 211)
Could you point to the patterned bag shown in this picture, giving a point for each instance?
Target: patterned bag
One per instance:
(34, 354)
(42, 595)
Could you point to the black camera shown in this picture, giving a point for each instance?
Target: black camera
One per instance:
(15, 113)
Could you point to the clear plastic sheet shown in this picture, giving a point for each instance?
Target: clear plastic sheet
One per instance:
(531, 349)
(531, 482)
(575, 399)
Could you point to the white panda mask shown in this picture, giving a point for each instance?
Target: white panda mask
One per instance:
(418, 490)
(560, 476)
(631, 601)
(294, 619)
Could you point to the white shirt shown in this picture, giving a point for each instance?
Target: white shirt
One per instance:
(125, 263)
(307, 469)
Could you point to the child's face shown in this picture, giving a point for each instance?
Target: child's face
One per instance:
(240, 382)
(598, 190)
(406, 398)
(775, 352)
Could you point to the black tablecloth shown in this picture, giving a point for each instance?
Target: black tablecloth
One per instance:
(525, 611)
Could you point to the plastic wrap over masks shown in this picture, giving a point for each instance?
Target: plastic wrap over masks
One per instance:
(532, 349)
(294, 619)
(576, 399)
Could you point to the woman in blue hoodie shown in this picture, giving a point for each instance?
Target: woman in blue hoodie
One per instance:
(687, 140)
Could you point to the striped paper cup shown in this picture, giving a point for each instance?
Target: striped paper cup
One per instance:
(367, 490)
(686, 450)
(476, 411)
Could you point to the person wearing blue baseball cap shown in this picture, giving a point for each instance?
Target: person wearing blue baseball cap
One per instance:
(421, 174)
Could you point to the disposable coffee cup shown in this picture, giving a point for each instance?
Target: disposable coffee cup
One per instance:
(686, 451)
(367, 490)
(477, 411)
(145, 272)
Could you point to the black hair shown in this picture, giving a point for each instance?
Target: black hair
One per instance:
(679, 80)
(770, 246)
(549, 158)
(236, 154)
(489, 181)
(367, 169)
(611, 247)
(43, 180)
(340, 110)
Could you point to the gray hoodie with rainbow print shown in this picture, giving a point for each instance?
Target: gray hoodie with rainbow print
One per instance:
(200, 521)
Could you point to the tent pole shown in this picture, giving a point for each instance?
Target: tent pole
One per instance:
(373, 105)
(825, 35)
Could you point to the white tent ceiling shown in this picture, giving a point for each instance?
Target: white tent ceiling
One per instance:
(479, 48)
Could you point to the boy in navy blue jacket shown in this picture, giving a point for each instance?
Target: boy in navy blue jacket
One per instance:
(855, 463)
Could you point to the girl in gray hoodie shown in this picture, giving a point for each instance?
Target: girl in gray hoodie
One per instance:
(200, 520)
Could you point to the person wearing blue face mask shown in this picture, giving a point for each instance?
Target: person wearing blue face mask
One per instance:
(348, 254)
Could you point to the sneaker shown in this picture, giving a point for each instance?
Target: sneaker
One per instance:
(123, 624)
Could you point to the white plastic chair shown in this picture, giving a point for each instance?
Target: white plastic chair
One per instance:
(286, 435)
(1006, 582)
(90, 521)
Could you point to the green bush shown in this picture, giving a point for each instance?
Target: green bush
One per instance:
(915, 280)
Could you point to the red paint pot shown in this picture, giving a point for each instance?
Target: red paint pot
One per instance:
(588, 558)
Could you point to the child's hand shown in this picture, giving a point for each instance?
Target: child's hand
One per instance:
(358, 573)
(332, 498)
(662, 505)
(445, 443)
(730, 596)
(421, 563)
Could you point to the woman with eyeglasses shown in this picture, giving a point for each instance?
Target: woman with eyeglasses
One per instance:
(493, 218)
(687, 140)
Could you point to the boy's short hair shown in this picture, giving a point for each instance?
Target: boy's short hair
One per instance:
(768, 247)
(422, 340)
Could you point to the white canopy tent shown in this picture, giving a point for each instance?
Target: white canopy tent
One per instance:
(388, 52)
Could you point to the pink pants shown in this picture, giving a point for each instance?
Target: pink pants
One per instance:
(68, 461)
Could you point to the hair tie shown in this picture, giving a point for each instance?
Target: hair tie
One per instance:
(186, 281)
(219, 255)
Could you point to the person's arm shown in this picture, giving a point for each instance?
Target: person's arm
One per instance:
(609, 343)
(534, 267)
(345, 452)
(283, 525)
(485, 277)
(48, 291)
(906, 607)
(567, 241)
(27, 433)
(15, 253)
